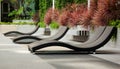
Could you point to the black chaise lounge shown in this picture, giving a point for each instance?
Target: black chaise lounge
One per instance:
(101, 37)
(17, 33)
(29, 39)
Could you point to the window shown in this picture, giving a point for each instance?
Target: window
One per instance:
(5, 7)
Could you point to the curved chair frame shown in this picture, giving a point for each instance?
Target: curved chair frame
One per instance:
(61, 32)
(17, 33)
(101, 41)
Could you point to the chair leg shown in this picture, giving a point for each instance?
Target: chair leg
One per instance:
(94, 52)
(30, 50)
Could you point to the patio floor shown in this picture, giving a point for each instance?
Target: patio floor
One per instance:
(16, 56)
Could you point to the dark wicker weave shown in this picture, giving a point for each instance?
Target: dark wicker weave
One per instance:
(91, 45)
(17, 33)
(29, 39)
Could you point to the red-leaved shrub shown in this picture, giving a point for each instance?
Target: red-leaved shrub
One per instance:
(107, 10)
(64, 18)
(89, 13)
(71, 14)
(77, 14)
(51, 15)
(36, 17)
(47, 18)
(55, 15)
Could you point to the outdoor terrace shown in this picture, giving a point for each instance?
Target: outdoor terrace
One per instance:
(16, 56)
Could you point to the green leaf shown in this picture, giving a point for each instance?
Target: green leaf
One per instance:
(1, 0)
(115, 23)
(20, 11)
(12, 13)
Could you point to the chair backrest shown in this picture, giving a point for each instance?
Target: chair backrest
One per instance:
(33, 31)
(61, 32)
(105, 37)
(17, 33)
(97, 33)
(102, 40)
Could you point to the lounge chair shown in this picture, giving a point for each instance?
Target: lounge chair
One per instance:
(99, 40)
(17, 33)
(29, 39)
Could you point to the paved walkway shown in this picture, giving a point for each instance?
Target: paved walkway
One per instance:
(16, 56)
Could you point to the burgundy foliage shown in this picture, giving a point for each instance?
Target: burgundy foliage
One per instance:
(71, 15)
(88, 14)
(55, 15)
(99, 13)
(51, 15)
(64, 18)
(48, 16)
(107, 10)
(77, 14)
(36, 17)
